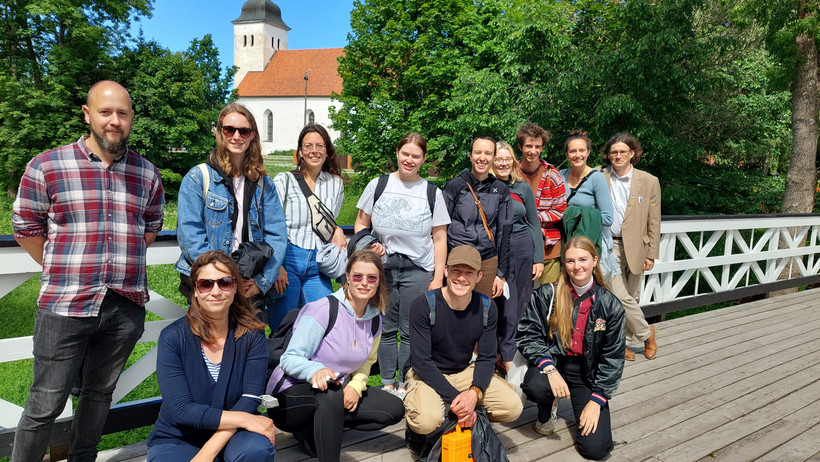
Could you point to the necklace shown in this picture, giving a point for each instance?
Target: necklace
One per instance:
(529, 173)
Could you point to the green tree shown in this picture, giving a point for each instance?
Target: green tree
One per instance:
(50, 54)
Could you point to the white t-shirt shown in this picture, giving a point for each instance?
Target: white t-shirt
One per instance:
(239, 193)
(401, 219)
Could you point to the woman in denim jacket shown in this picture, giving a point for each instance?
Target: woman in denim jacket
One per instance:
(241, 204)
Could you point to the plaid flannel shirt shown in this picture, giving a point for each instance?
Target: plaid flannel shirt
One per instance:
(94, 220)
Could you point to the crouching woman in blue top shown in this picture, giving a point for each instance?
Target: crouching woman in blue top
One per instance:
(573, 336)
(208, 364)
(321, 380)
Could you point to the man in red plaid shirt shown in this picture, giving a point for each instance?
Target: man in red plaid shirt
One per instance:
(549, 190)
(86, 212)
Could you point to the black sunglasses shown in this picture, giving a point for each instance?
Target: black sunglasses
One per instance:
(205, 286)
(244, 132)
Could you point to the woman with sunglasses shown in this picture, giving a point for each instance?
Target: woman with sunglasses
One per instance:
(231, 200)
(413, 242)
(211, 367)
(299, 280)
(573, 336)
(526, 251)
(321, 380)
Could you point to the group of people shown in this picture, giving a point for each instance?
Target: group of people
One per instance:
(450, 286)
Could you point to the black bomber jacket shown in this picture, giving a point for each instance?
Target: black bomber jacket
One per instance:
(604, 338)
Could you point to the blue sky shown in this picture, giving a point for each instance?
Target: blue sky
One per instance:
(174, 23)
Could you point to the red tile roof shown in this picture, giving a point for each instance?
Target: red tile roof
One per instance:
(285, 74)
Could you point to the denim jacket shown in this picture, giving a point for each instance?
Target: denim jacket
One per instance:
(206, 225)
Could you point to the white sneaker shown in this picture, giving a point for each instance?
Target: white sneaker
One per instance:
(544, 428)
(400, 393)
(390, 390)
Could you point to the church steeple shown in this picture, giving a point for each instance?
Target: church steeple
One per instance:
(257, 33)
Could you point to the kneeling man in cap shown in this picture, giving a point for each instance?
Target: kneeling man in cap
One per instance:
(446, 326)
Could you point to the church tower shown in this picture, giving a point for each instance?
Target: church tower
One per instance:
(257, 33)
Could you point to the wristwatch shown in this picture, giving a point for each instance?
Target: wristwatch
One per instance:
(478, 392)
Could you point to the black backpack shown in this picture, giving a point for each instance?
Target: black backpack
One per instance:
(280, 338)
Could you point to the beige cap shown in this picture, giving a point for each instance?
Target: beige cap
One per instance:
(465, 255)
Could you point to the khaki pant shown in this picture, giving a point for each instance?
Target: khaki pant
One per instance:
(627, 287)
(552, 269)
(489, 269)
(425, 410)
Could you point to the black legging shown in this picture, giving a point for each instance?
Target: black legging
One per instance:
(300, 406)
(595, 446)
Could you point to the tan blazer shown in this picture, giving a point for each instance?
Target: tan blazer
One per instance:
(641, 229)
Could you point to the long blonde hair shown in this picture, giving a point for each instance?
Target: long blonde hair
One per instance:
(561, 320)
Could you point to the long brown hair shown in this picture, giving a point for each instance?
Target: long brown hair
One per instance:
(252, 163)
(368, 256)
(241, 312)
(330, 165)
(561, 319)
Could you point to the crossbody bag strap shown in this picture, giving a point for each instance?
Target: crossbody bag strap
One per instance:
(575, 189)
(481, 212)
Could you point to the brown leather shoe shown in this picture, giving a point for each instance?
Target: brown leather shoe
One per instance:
(650, 346)
(629, 355)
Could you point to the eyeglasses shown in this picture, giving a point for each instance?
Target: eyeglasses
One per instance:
(205, 286)
(502, 162)
(619, 153)
(309, 147)
(371, 278)
(244, 132)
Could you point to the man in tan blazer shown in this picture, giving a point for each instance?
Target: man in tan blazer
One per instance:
(636, 232)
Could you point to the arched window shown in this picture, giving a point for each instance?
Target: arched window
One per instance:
(269, 130)
(311, 118)
(272, 43)
(246, 41)
(251, 40)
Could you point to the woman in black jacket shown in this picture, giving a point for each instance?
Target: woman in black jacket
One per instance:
(573, 337)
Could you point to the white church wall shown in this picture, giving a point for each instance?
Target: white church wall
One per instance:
(288, 118)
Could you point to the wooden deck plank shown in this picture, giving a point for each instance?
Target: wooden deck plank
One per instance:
(733, 384)
(802, 447)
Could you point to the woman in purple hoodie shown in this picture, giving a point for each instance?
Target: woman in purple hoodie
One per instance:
(321, 380)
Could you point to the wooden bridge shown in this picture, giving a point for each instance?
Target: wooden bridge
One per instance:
(740, 383)
(737, 384)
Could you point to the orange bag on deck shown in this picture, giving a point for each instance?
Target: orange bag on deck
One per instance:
(457, 446)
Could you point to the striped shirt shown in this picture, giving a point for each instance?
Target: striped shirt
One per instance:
(329, 189)
(213, 368)
(551, 200)
(94, 220)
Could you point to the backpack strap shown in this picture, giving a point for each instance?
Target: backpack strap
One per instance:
(485, 309)
(575, 190)
(431, 196)
(374, 325)
(431, 302)
(333, 303)
(380, 186)
(206, 179)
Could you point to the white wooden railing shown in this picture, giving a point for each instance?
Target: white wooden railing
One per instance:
(702, 260)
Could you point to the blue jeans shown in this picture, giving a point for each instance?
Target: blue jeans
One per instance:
(243, 446)
(65, 347)
(405, 282)
(305, 284)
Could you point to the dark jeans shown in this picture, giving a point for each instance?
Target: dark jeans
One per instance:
(65, 347)
(595, 446)
(519, 279)
(405, 282)
(322, 416)
(243, 446)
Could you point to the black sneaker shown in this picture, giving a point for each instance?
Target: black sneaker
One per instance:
(306, 442)
(414, 441)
